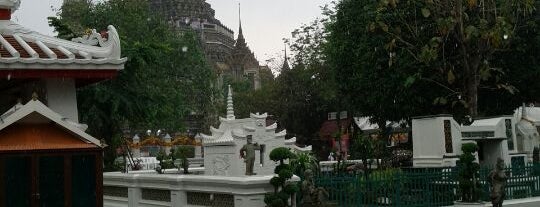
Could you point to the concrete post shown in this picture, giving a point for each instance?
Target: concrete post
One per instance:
(134, 196)
(168, 146)
(178, 198)
(198, 152)
(136, 151)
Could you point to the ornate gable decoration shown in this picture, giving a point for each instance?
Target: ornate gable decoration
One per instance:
(22, 48)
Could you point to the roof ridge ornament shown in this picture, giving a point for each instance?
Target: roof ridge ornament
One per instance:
(230, 106)
(91, 37)
(109, 40)
(35, 96)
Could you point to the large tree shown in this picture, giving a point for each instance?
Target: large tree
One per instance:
(165, 78)
(396, 59)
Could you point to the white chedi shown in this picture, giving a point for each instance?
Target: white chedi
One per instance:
(222, 147)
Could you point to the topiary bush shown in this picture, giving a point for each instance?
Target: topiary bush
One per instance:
(469, 186)
(282, 189)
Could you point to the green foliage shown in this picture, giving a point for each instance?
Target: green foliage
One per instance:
(165, 78)
(291, 188)
(469, 148)
(536, 155)
(277, 181)
(363, 148)
(398, 59)
(283, 190)
(182, 153)
(186, 151)
(281, 167)
(165, 162)
(285, 173)
(302, 162)
(469, 173)
(280, 154)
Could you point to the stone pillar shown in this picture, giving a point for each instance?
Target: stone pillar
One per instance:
(198, 148)
(136, 152)
(178, 198)
(198, 151)
(134, 196)
(168, 146)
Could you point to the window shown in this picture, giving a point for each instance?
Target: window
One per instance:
(448, 137)
(509, 134)
(332, 116)
(482, 134)
(343, 115)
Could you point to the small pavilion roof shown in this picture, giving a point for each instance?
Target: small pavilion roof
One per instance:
(34, 112)
(219, 138)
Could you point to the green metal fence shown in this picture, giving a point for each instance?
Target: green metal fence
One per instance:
(419, 187)
(523, 181)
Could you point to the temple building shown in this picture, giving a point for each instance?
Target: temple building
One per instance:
(46, 157)
(231, 59)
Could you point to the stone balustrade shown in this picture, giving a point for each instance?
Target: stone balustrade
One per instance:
(176, 190)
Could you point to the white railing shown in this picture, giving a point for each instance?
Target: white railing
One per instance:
(328, 166)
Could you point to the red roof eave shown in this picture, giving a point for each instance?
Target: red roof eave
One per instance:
(51, 73)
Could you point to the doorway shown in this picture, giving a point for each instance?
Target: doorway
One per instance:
(49, 180)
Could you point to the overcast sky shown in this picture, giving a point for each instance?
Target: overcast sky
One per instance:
(265, 22)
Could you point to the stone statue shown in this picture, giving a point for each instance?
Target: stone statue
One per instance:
(311, 195)
(497, 179)
(248, 154)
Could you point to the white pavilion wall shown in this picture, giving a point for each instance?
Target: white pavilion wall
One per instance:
(62, 98)
(429, 141)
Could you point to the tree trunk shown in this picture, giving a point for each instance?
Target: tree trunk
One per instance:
(471, 61)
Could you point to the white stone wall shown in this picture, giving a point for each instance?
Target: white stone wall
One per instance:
(222, 161)
(246, 191)
(429, 141)
(240, 129)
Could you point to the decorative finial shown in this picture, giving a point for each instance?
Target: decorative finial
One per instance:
(240, 33)
(230, 107)
(240, 16)
(103, 143)
(35, 96)
(285, 46)
(285, 65)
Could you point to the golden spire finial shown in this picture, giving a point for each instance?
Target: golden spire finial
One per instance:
(35, 96)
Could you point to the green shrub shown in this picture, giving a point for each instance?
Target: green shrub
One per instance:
(282, 190)
(469, 186)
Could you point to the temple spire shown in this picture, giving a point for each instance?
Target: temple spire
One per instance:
(241, 41)
(230, 107)
(285, 61)
(240, 19)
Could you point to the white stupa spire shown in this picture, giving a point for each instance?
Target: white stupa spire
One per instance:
(230, 107)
